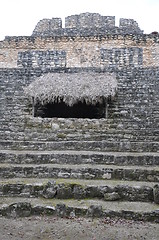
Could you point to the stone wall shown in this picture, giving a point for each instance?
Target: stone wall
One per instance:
(44, 59)
(135, 107)
(88, 20)
(133, 57)
(48, 25)
(90, 51)
(80, 44)
(120, 57)
(85, 24)
(121, 147)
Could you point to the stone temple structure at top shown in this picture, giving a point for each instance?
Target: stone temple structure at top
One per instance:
(79, 120)
(86, 24)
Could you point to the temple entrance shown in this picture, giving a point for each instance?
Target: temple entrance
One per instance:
(79, 110)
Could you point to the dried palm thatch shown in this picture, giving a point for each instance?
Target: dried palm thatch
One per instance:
(72, 88)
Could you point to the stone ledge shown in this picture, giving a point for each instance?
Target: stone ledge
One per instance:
(64, 189)
(87, 209)
(77, 156)
(107, 172)
(105, 146)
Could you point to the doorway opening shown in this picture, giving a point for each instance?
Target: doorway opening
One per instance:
(78, 110)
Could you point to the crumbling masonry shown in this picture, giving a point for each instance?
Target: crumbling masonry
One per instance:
(107, 166)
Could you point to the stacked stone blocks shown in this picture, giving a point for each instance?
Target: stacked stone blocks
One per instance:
(103, 167)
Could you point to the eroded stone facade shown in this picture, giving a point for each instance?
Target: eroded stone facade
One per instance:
(85, 39)
(85, 51)
(124, 147)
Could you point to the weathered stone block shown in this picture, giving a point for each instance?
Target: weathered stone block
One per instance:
(64, 191)
(79, 192)
(21, 209)
(50, 190)
(114, 196)
(94, 191)
(60, 210)
(94, 211)
(156, 193)
(46, 26)
(43, 210)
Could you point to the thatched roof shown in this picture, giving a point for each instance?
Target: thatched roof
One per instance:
(72, 87)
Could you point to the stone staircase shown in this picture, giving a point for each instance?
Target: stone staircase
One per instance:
(79, 167)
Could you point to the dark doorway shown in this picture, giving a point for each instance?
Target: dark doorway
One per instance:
(79, 110)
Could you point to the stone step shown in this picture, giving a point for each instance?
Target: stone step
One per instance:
(111, 146)
(80, 189)
(18, 207)
(56, 124)
(79, 157)
(112, 135)
(94, 129)
(82, 171)
(29, 121)
(150, 135)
